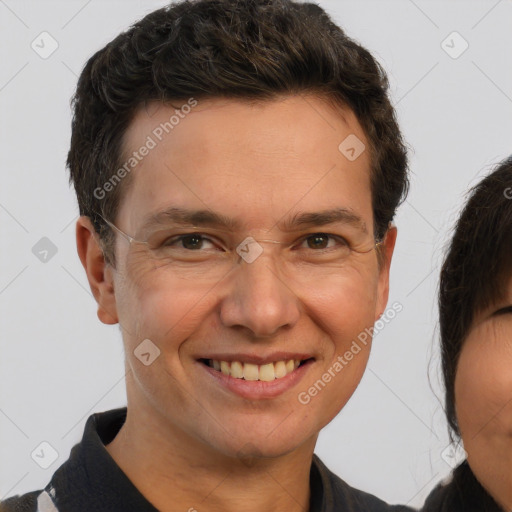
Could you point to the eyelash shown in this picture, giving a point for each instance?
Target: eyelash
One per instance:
(503, 311)
(170, 241)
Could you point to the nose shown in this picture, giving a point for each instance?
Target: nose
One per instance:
(259, 299)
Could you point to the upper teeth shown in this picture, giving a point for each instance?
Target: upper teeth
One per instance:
(249, 371)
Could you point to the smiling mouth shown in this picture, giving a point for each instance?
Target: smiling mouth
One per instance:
(248, 371)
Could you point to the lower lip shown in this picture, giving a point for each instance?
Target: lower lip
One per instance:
(257, 389)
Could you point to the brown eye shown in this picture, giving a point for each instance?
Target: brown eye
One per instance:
(318, 241)
(321, 241)
(189, 241)
(192, 242)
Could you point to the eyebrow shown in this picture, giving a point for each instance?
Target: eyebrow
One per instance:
(209, 218)
(324, 217)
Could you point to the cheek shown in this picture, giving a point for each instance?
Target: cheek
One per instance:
(483, 399)
(343, 302)
(160, 306)
(344, 310)
(483, 390)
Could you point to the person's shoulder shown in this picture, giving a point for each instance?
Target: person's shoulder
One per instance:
(21, 503)
(362, 501)
(460, 492)
(338, 494)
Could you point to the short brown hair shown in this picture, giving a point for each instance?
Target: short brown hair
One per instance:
(239, 49)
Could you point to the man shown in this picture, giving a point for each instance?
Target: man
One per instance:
(237, 166)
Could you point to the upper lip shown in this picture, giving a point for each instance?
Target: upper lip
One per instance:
(257, 359)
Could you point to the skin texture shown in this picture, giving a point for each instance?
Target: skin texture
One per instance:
(483, 399)
(184, 433)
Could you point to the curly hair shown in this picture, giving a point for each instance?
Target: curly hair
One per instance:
(251, 50)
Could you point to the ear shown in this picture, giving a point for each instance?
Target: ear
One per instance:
(99, 273)
(387, 248)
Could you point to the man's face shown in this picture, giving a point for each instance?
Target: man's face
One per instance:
(304, 298)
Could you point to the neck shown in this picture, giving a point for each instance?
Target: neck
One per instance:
(175, 471)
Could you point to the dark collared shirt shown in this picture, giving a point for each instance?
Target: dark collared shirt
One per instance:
(91, 481)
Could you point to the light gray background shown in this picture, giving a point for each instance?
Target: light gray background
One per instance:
(59, 364)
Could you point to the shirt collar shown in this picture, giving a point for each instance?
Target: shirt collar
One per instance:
(91, 480)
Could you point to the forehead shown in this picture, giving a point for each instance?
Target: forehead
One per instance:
(254, 161)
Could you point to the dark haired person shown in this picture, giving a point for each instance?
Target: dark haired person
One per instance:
(475, 304)
(237, 166)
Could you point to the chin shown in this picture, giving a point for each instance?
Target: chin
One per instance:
(266, 444)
